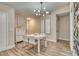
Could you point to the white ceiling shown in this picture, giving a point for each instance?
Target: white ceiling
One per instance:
(26, 8)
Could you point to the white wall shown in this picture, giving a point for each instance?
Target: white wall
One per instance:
(63, 28)
(63, 9)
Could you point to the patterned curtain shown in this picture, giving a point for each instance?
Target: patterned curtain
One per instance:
(76, 20)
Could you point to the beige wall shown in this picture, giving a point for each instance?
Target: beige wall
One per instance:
(11, 24)
(34, 25)
(63, 31)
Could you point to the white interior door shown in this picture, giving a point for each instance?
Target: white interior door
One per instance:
(3, 31)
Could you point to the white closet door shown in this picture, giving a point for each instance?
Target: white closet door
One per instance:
(3, 31)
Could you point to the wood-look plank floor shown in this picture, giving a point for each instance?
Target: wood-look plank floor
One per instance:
(60, 48)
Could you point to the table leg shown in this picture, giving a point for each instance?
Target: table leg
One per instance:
(38, 45)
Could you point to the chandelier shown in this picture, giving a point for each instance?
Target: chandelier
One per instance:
(42, 11)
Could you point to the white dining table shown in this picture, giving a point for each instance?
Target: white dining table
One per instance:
(38, 38)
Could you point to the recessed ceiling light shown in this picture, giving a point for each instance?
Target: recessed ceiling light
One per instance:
(47, 12)
(44, 8)
(34, 10)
